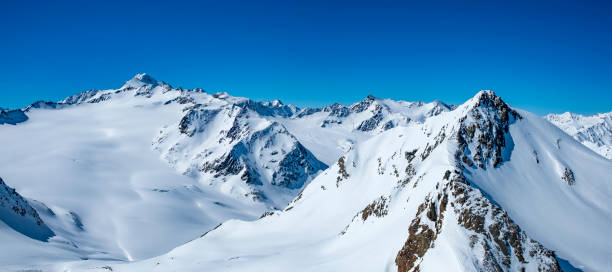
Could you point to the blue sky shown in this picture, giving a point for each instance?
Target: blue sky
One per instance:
(542, 56)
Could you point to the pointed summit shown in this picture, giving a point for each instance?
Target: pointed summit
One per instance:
(483, 133)
(486, 98)
(140, 80)
(364, 104)
(145, 78)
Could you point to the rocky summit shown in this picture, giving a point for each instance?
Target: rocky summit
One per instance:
(149, 177)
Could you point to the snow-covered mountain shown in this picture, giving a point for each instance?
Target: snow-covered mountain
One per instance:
(222, 157)
(481, 188)
(594, 131)
(149, 177)
(17, 213)
(230, 143)
(12, 117)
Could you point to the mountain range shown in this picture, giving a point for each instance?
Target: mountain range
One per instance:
(149, 177)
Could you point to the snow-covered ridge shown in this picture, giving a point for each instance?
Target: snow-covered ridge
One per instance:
(12, 117)
(131, 173)
(481, 188)
(594, 131)
(92, 154)
(333, 130)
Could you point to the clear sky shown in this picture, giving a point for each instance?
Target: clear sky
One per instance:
(551, 56)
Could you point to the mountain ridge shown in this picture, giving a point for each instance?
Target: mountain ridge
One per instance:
(417, 184)
(594, 131)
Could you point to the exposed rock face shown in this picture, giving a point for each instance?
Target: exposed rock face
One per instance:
(378, 208)
(376, 115)
(483, 135)
(568, 176)
(196, 120)
(372, 122)
(342, 174)
(296, 168)
(363, 105)
(495, 239)
(273, 108)
(83, 97)
(16, 212)
(504, 245)
(420, 238)
(337, 113)
(226, 140)
(12, 117)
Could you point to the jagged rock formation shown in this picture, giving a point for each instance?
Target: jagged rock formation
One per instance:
(16, 212)
(429, 199)
(375, 115)
(232, 140)
(410, 186)
(484, 133)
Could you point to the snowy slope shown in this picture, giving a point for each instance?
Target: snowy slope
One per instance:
(122, 176)
(333, 130)
(593, 131)
(229, 144)
(95, 169)
(17, 213)
(27, 239)
(481, 188)
(92, 161)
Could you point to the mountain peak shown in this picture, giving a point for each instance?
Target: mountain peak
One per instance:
(484, 130)
(140, 80)
(364, 104)
(487, 99)
(144, 77)
(485, 95)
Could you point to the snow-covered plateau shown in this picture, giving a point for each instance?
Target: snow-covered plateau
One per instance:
(149, 177)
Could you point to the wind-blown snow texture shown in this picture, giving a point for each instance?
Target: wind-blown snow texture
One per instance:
(410, 186)
(593, 131)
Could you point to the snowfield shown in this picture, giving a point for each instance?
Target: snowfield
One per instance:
(593, 131)
(153, 178)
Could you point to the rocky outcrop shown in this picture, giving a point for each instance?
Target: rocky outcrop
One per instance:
(372, 122)
(224, 140)
(483, 134)
(12, 117)
(16, 212)
(498, 244)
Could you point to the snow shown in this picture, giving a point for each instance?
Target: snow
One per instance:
(96, 160)
(572, 220)
(322, 229)
(593, 131)
(152, 178)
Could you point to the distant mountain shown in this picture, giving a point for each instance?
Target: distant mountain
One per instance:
(229, 158)
(594, 131)
(148, 177)
(12, 117)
